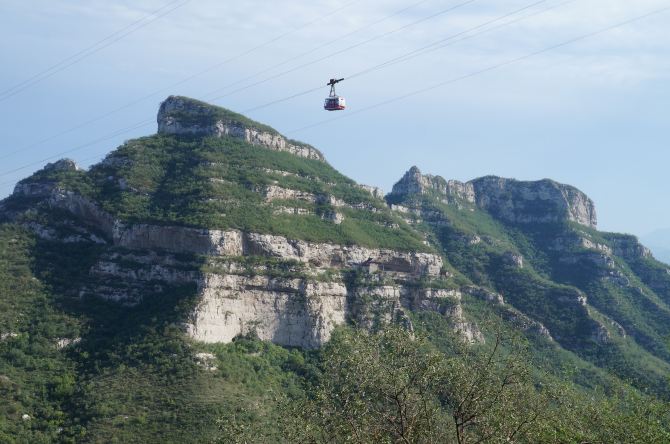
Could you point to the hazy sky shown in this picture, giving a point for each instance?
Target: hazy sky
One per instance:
(593, 114)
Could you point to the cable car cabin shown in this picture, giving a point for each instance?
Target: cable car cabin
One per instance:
(334, 103)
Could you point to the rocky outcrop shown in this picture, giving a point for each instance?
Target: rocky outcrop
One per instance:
(235, 298)
(43, 187)
(448, 303)
(51, 234)
(62, 165)
(333, 255)
(525, 323)
(375, 192)
(8, 335)
(179, 239)
(507, 312)
(413, 182)
(543, 201)
(184, 116)
(84, 209)
(572, 241)
(274, 192)
(206, 360)
(628, 247)
(33, 189)
(293, 312)
(513, 259)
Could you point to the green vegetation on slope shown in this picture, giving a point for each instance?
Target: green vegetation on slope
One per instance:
(552, 282)
(220, 183)
(132, 375)
(36, 379)
(395, 386)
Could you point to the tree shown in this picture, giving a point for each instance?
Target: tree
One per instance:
(374, 388)
(395, 387)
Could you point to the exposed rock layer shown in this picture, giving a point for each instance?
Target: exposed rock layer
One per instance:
(299, 311)
(183, 116)
(543, 201)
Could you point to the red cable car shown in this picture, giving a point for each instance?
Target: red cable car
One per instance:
(334, 102)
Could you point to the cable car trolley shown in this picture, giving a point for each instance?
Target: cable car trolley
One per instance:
(334, 102)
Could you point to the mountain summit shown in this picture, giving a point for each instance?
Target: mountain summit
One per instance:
(183, 116)
(219, 228)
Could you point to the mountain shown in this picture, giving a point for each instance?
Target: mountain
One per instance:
(659, 242)
(136, 295)
(600, 295)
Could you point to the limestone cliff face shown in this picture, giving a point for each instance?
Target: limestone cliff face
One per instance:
(294, 312)
(543, 201)
(184, 116)
(533, 202)
(233, 298)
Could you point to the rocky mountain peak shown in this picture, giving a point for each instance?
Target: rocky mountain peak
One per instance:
(184, 116)
(410, 183)
(62, 165)
(542, 201)
(414, 182)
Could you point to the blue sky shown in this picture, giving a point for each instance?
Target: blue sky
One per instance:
(592, 114)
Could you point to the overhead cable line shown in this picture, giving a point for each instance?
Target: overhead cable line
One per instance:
(182, 81)
(412, 93)
(465, 34)
(92, 49)
(319, 47)
(149, 121)
(79, 161)
(406, 56)
(146, 122)
(348, 48)
(487, 69)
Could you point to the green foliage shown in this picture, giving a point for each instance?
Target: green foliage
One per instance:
(218, 183)
(559, 271)
(393, 386)
(373, 388)
(36, 378)
(133, 375)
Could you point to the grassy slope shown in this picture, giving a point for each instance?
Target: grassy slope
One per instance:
(168, 181)
(35, 378)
